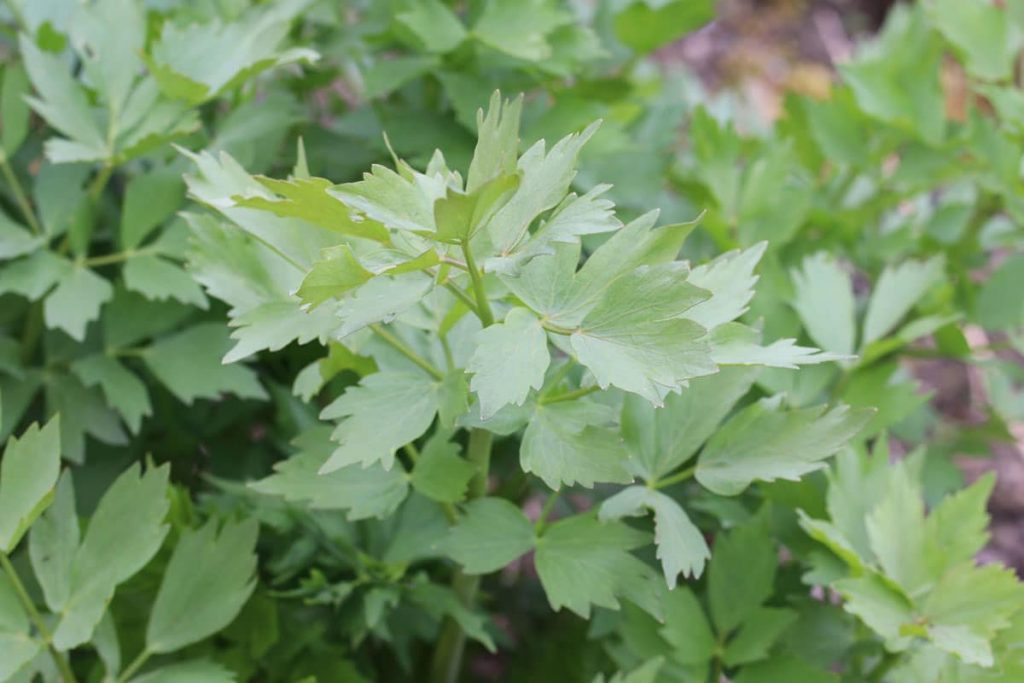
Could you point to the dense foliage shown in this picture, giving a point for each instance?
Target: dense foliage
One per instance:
(324, 356)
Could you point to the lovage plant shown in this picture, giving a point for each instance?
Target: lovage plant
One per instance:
(481, 338)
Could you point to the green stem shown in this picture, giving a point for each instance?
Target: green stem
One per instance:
(462, 296)
(116, 257)
(100, 182)
(569, 395)
(136, 664)
(483, 305)
(19, 195)
(716, 671)
(404, 349)
(679, 476)
(557, 329)
(66, 674)
(452, 642)
(549, 505)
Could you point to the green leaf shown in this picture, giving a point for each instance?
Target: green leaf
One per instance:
(759, 633)
(459, 216)
(544, 180)
(53, 542)
(981, 33)
(686, 628)
(76, 301)
(338, 272)
(28, 475)
(123, 391)
(34, 275)
(435, 25)
(896, 79)
(764, 442)
(440, 474)
(188, 363)
(312, 200)
(511, 357)
(825, 304)
(363, 491)
(980, 598)
(386, 411)
(957, 528)
(159, 279)
(382, 299)
(582, 562)
(740, 574)
(737, 344)
(15, 240)
(730, 279)
(124, 533)
(497, 145)
(149, 200)
(565, 443)
(681, 546)
(901, 556)
(662, 439)
(634, 338)
(195, 671)
(646, 25)
(82, 411)
(896, 292)
(14, 110)
(388, 75)
(63, 102)
(490, 534)
(520, 28)
(882, 608)
(208, 580)
(196, 62)
(17, 646)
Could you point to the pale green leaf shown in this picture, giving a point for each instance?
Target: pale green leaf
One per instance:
(17, 646)
(634, 338)
(882, 608)
(896, 292)
(435, 25)
(566, 443)
(197, 62)
(76, 301)
(584, 563)
(189, 364)
(764, 442)
(124, 533)
(662, 439)
(740, 574)
(149, 200)
(520, 28)
(824, 302)
(53, 542)
(490, 534)
(545, 179)
(208, 580)
(123, 390)
(440, 474)
(14, 110)
(386, 411)
(681, 545)
(511, 357)
(981, 31)
(28, 476)
(15, 240)
(686, 627)
(159, 279)
(730, 279)
(34, 275)
(362, 491)
(759, 633)
(497, 142)
(901, 556)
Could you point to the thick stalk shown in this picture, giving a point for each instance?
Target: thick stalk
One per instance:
(483, 306)
(66, 674)
(679, 476)
(452, 643)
